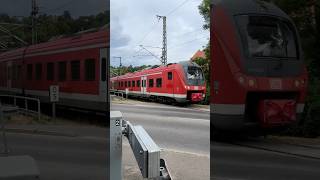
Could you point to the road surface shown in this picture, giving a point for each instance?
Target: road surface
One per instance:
(182, 132)
(235, 162)
(64, 157)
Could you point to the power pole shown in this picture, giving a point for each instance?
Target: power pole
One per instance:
(34, 13)
(164, 41)
(120, 65)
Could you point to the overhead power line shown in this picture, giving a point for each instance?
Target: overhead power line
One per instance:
(176, 8)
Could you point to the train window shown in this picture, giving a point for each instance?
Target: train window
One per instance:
(169, 75)
(133, 83)
(138, 83)
(121, 83)
(267, 36)
(75, 70)
(50, 71)
(159, 82)
(62, 71)
(125, 84)
(38, 71)
(9, 73)
(150, 82)
(29, 71)
(103, 69)
(129, 83)
(14, 72)
(90, 70)
(19, 72)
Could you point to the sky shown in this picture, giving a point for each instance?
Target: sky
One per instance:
(54, 7)
(134, 23)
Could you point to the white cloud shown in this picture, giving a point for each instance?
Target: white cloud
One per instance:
(135, 23)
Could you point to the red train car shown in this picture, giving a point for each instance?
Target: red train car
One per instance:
(77, 64)
(258, 76)
(182, 82)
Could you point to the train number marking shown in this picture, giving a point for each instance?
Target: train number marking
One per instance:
(54, 93)
(117, 122)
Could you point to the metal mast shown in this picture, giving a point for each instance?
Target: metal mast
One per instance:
(34, 12)
(164, 41)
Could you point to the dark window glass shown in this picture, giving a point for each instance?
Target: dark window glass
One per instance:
(75, 70)
(150, 82)
(138, 83)
(50, 71)
(62, 71)
(159, 82)
(90, 70)
(129, 83)
(133, 83)
(121, 83)
(9, 73)
(265, 36)
(194, 75)
(19, 72)
(29, 71)
(14, 72)
(38, 71)
(169, 75)
(126, 84)
(103, 69)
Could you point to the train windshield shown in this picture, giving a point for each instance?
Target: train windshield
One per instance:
(267, 36)
(194, 75)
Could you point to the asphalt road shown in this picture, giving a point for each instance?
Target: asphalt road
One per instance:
(62, 157)
(173, 128)
(229, 161)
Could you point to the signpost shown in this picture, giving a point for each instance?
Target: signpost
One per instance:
(54, 97)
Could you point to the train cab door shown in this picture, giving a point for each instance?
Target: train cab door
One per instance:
(143, 85)
(170, 84)
(9, 75)
(103, 62)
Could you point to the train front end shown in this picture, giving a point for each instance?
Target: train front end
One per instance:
(194, 83)
(257, 70)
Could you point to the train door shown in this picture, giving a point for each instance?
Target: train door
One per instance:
(143, 85)
(170, 84)
(9, 74)
(104, 54)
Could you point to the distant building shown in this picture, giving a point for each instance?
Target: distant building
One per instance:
(198, 54)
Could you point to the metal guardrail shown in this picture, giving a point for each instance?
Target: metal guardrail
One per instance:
(117, 93)
(26, 100)
(145, 150)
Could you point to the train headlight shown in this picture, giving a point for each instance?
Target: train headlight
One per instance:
(297, 83)
(251, 83)
(241, 80)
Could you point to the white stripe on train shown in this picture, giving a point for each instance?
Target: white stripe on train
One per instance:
(63, 95)
(238, 109)
(157, 94)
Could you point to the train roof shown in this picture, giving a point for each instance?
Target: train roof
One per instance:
(147, 71)
(156, 70)
(99, 38)
(238, 7)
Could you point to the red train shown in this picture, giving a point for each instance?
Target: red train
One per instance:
(77, 64)
(258, 75)
(182, 82)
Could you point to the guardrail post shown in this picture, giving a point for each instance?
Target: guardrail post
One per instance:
(26, 104)
(39, 111)
(115, 145)
(14, 101)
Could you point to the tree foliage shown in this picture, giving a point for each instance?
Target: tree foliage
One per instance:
(49, 26)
